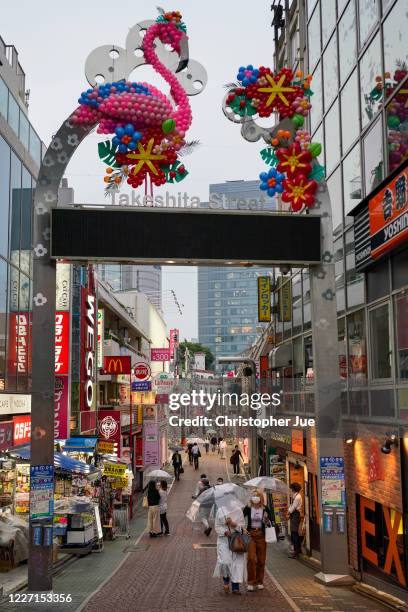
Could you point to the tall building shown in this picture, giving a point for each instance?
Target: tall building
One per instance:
(227, 298)
(357, 53)
(20, 158)
(125, 277)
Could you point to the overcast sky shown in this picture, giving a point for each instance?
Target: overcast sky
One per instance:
(53, 40)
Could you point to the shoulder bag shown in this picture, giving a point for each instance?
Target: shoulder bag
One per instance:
(238, 542)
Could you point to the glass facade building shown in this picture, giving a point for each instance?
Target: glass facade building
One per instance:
(125, 277)
(357, 53)
(227, 298)
(20, 157)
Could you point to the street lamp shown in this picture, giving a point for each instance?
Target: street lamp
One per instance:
(253, 437)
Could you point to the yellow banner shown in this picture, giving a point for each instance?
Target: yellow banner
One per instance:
(120, 483)
(106, 447)
(264, 298)
(114, 469)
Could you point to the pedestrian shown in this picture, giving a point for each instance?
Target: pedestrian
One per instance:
(195, 451)
(164, 523)
(219, 439)
(213, 443)
(177, 464)
(153, 500)
(199, 486)
(235, 457)
(189, 451)
(206, 445)
(294, 516)
(231, 566)
(223, 448)
(220, 480)
(205, 507)
(258, 517)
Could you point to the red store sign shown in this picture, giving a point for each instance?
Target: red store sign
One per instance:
(6, 435)
(109, 427)
(19, 344)
(21, 429)
(61, 343)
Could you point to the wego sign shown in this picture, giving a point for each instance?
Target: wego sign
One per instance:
(89, 351)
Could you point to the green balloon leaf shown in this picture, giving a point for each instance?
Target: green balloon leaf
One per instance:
(315, 148)
(317, 173)
(107, 153)
(298, 120)
(173, 172)
(269, 157)
(168, 126)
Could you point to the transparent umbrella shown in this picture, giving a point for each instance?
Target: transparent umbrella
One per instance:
(195, 440)
(228, 497)
(269, 483)
(154, 474)
(176, 448)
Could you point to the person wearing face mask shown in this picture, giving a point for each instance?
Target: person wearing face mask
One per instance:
(205, 507)
(231, 566)
(258, 517)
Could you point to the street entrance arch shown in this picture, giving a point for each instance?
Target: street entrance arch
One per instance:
(82, 235)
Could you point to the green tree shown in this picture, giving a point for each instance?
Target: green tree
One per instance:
(196, 347)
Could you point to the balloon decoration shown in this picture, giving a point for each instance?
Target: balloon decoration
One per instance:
(149, 133)
(294, 172)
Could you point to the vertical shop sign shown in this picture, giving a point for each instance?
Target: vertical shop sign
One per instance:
(88, 351)
(375, 466)
(100, 330)
(61, 397)
(151, 448)
(63, 287)
(264, 298)
(332, 481)
(284, 287)
(61, 343)
(19, 358)
(109, 428)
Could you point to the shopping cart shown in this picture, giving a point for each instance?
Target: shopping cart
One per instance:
(121, 520)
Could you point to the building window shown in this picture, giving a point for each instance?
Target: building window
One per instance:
(328, 20)
(356, 335)
(347, 41)
(24, 130)
(370, 68)
(395, 44)
(339, 273)
(318, 137)
(355, 281)
(3, 99)
(314, 39)
(306, 301)
(402, 395)
(400, 270)
(359, 402)
(4, 195)
(342, 339)
(352, 179)
(349, 112)
(3, 320)
(397, 136)
(330, 80)
(310, 6)
(316, 110)
(294, 47)
(13, 114)
(378, 281)
(368, 14)
(373, 158)
(297, 304)
(332, 139)
(401, 333)
(334, 187)
(380, 345)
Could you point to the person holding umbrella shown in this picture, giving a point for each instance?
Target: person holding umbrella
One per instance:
(258, 517)
(205, 506)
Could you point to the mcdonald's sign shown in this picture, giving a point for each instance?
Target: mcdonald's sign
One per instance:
(117, 365)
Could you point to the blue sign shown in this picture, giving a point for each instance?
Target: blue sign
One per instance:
(41, 491)
(81, 445)
(141, 385)
(332, 481)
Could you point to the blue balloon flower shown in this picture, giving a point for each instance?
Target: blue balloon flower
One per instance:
(271, 182)
(122, 148)
(129, 129)
(119, 131)
(116, 141)
(132, 145)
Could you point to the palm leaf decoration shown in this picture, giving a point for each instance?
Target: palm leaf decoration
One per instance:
(107, 153)
(269, 157)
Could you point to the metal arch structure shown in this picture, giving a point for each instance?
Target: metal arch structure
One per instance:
(57, 157)
(327, 384)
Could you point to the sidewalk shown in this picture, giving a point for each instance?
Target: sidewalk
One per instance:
(173, 573)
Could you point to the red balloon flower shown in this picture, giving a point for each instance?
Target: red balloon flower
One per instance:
(294, 160)
(299, 191)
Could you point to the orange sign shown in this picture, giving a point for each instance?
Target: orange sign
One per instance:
(117, 365)
(297, 441)
(388, 213)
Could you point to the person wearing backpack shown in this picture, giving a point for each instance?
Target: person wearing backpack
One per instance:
(258, 516)
(231, 566)
(177, 464)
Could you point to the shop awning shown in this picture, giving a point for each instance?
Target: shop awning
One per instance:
(62, 462)
(80, 445)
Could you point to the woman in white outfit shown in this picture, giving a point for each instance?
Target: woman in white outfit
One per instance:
(231, 566)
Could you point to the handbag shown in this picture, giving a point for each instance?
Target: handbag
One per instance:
(238, 542)
(270, 535)
(145, 503)
(181, 470)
